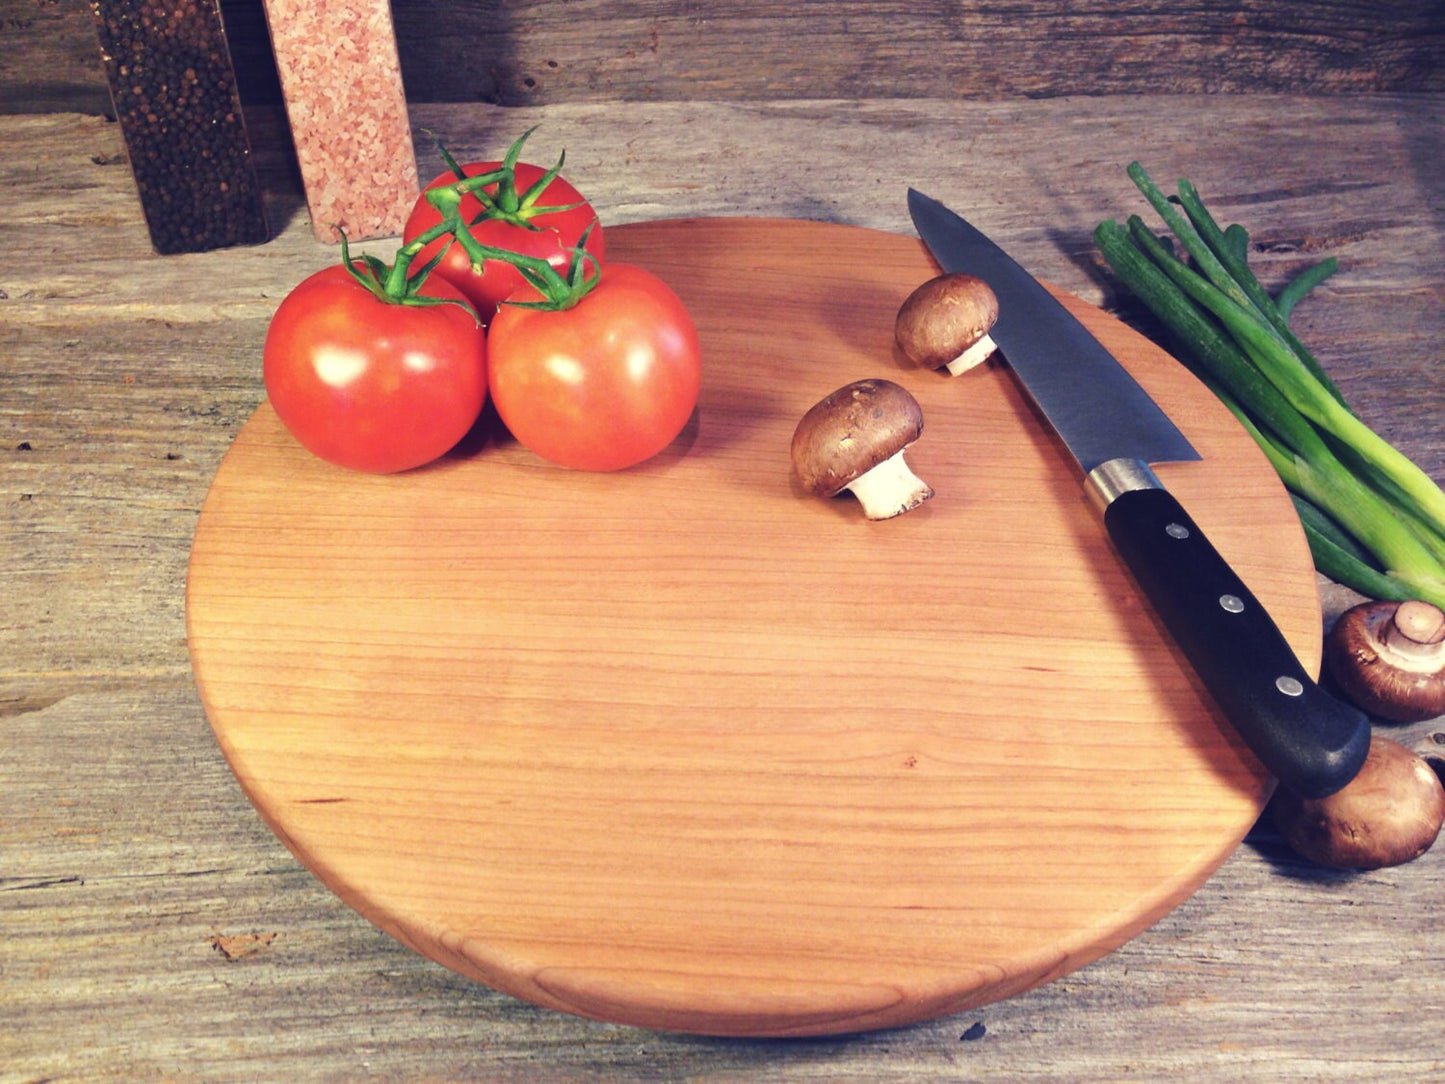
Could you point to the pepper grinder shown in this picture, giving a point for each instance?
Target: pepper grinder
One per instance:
(173, 87)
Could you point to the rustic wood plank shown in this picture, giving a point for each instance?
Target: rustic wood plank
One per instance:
(554, 51)
(126, 847)
(50, 58)
(533, 54)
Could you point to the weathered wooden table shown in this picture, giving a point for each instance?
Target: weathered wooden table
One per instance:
(152, 927)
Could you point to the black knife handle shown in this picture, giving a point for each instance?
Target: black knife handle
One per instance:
(1311, 741)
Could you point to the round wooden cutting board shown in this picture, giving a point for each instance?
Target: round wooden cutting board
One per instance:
(681, 748)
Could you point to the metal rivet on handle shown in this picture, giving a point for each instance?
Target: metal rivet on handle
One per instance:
(1288, 685)
(1233, 603)
(1177, 530)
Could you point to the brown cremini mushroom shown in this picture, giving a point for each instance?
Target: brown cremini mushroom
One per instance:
(945, 323)
(1390, 813)
(1389, 659)
(854, 439)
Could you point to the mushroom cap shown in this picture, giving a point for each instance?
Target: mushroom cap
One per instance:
(944, 317)
(850, 431)
(1390, 813)
(1375, 674)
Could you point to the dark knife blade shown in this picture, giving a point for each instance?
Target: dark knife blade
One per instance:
(1312, 742)
(1097, 408)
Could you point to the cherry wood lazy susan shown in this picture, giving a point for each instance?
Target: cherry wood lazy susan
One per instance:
(682, 748)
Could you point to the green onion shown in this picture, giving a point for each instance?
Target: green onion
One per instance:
(1373, 519)
(1338, 557)
(1303, 283)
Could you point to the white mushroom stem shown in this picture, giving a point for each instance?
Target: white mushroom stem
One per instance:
(1414, 638)
(889, 489)
(974, 355)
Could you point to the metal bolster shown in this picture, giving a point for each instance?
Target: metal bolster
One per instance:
(1112, 479)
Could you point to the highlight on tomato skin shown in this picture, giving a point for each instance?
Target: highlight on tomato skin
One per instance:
(384, 367)
(548, 235)
(370, 385)
(601, 386)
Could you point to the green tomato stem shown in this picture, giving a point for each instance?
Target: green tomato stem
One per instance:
(397, 283)
(507, 204)
(558, 292)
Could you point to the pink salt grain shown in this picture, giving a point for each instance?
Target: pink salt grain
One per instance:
(341, 78)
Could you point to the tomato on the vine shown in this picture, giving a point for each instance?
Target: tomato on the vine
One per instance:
(603, 384)
(375, 383)
(529, 210)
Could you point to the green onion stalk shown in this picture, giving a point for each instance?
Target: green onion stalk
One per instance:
(1374, 520)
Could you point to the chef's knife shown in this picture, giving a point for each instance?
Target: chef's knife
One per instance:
(1312, 742)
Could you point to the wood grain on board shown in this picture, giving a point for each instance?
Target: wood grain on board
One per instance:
(681, 747)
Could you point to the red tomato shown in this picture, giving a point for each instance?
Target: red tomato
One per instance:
(554, 236)
(600, 386)
(369, 385)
